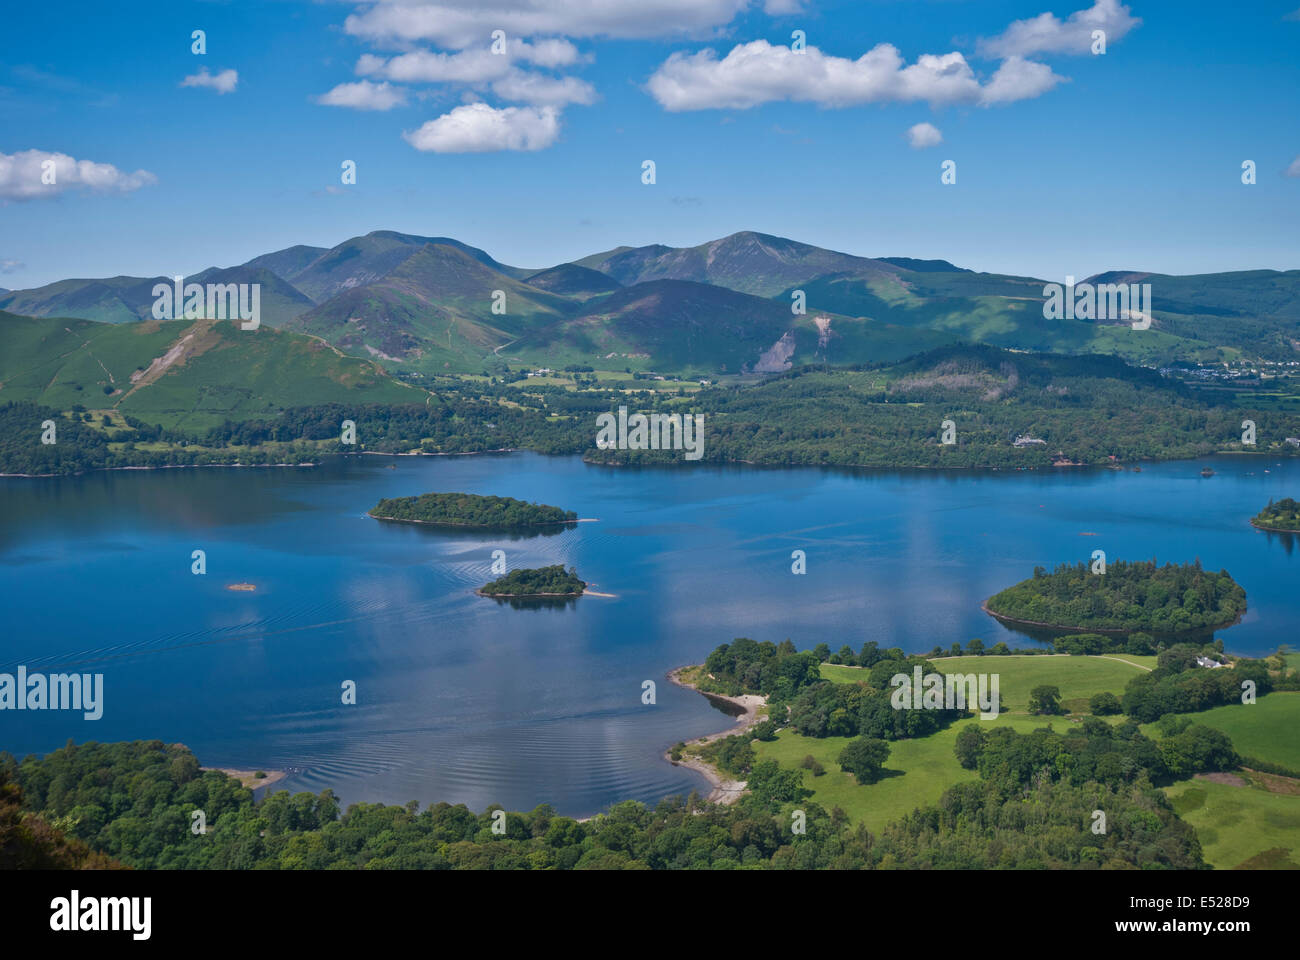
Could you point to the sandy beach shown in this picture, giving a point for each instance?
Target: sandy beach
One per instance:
(249, 778)
(725, 790)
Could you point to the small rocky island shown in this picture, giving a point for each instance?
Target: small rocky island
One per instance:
(541, 582)
(470, 510)
(1283, 516)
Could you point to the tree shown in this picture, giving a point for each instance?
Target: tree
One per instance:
(1045, 699)
(1196, 749)
(975, 648)
(1140, 644)
(864, 758)
(1104, 704)
(184, 768)
(970, 744)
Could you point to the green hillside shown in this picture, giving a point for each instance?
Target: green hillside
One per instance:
(433, 312)
(746, 262)
(424, 304)
(571, 280)
(1085, 409)
(675, 324)
(131, 299)
(180, 373)
(363, 260)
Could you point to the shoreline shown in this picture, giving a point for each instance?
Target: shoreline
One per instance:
(1260, 526)
(486, 527)
(165, 466)
(1131, 465)
(248, 778)
(1109, 631)
(670, 464)
(535, 596)
(724, 789)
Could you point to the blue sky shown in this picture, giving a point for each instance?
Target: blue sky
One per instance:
(1067, 162)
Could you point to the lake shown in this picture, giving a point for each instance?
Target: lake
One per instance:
(463, 699)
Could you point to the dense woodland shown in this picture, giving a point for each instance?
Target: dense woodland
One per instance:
(1137, 596)
(541, 581)
(133, 802)
(470, 510)
(1179, 685)
(1086, 409)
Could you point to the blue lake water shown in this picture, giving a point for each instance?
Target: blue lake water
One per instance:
(465, 700)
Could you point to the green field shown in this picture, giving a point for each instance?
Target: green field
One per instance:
(1245, 827)
(1077, 677)
(1265, 729)
(917, 771)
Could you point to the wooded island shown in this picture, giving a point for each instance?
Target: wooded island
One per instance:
(1127, 597)
(470, 510)
(553, 581)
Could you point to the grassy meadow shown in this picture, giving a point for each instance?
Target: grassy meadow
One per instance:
(1266, 729)
(1253, 823)
(1241, 827)
(919, 771)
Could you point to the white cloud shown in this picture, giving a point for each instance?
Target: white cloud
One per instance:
(551, 53)
(11, 266)
(1046, 34)
(21, 176)
(480, 67)
(223, 82)
(782, 8)
(1294, 169)
(541, 90)
(476, 65)
(479, 128)
(457, 24)
(423, 66)
(758, 72)
(924, 135)
(364, 95)
(1018, 79)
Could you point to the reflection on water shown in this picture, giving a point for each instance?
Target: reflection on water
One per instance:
(520, 701)
(1285, 540)
(535, 603)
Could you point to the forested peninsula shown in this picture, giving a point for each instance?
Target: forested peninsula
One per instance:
(1283, 516)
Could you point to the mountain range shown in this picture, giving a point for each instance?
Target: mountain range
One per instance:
(429, 305)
